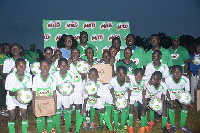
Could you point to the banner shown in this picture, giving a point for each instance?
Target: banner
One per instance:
(100, 33)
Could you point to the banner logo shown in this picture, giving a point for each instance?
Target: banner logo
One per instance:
(47, 37)
(106, 48)
(104, 26)
(57, 37)
(72, 25)
(77, 37)
(53, 25)
(122, 26)
(97, 37)
(89, 25)
(111, 36)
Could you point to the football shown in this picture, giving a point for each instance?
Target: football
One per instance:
(196, 60)
(66, 89)
(90, 88)
(35, 68)
(155, 104)
(82, 67)
(24, 96)
(184, 97)
(121, 103)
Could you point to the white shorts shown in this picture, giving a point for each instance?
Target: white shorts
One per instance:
(12, 103)
(107, 99)
(135, 98)
(98, 105)
(76, 99)
(62, 100)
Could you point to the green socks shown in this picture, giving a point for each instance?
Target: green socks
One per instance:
(172, 116)
(116, 119)
(101, 118)
(56, 121)
(68, 114)
(130, 119)
(11, 126)
(39, 124)
(183, 117)
(92, 114)
(49, 124)
(79, 122)
(123, 118)
(164, 120)
(151, 115)
(106, 117)
(24, 126)
(144, 121)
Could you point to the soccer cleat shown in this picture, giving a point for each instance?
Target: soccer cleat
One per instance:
(173, 129)
(185, 129)
(112, 131)
(131, 129)
(142, 130)
(168, 125)
(151, 124)
(165, 130)
(147, 128)
(85, 125)
(100, 127)
(92, 126)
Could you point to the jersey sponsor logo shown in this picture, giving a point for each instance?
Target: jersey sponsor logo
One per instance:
(77, 37)
(57, 37)
(44, 92)
(174, 56)
(53, 25)
(47, 37)
(137, 89)
(89, 25)
(120, 95)
(72, 25)
(97, 37)
(136, 61)
(111, 36)
(107, 25)
(122, 26)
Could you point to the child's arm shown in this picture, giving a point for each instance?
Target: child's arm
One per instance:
(129, 95)
(113, 95)
(11, 93)
(33, 101)
(144, 99)
(55, 99)
(83, 111)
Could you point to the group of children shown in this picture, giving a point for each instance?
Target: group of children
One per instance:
(134, 84)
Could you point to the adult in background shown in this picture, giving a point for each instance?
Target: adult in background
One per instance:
(32, 55)
(155, 43)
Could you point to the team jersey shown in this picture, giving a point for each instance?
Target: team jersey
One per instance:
(150, 69)
(193, 67)
(31, 56)
(166, 57)
(99, 89)
(14, 84)
(119, 90)
(9, 65)
(135, 86)
(138, 56)
(44, 88)
(54, 67)
(117, 56)
(179, 55)
(173, 87)
(69, 77)
(3, 57)
(82, 50)
(130, 67)
(78, 88)
(152, 92)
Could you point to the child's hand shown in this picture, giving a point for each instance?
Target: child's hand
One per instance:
(96, 96)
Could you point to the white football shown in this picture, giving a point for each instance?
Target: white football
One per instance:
(155, 104)
(24, 96)
(35, 68)
(82, 67)
(196, 60)
(121, 103)
(91, 88)
(66, 89)
(184, 97)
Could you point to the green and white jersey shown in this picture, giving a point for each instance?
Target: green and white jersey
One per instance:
(136, 87)
(69, 77)
(138, 56)
(173, 87)
(31, 56)
(9, 65)
(44, 88)
(179, 55)
(150, 69)
(130, 67)
(54, 67)
(166, 57)
(152, 92)
(82, 50)
(117, 56)
(14, 84)
(119, 90)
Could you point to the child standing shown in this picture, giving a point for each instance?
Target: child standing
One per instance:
(44, 84)
(89, 52)
(15, 81)
(113, 52)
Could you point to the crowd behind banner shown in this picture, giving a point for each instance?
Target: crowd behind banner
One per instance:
(149, 80)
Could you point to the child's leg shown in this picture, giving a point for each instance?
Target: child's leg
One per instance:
(79, 122)
(101, 118)
(131, 115)
(116, 118)
(123, 118)
(68, 114)
(77, 107)
(172, 114)
(184, 113)
(11, 122)
(24, 120)
(144, 120)
(92, 114)
(49, 124)
(106, 117)
(151, 115)
(164, 112)
(56, 120)
(39, 124)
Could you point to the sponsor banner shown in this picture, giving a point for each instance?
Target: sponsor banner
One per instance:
(100, 33)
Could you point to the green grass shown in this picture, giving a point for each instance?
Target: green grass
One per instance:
(192, 123)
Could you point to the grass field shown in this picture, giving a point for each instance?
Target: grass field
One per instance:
(193, 123)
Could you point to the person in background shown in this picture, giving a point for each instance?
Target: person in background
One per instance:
(32, 55)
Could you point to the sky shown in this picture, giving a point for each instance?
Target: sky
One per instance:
(21, 20)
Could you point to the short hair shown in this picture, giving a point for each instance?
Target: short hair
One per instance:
(44, 61)
(93, 69)
(83, 32)
(131, 35)
(75, 49)
(62, 60)
(108, 52)
(158, 51)
(116, 38)
(139, 71)
(57, 51)
(20, 59)
(177, 67)
(157, 74)
(112, 47)
(155, 35)
(4, 44)
(16, 44)
(128, 48)
(48, 48)
(122, 68)
(87, 49)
